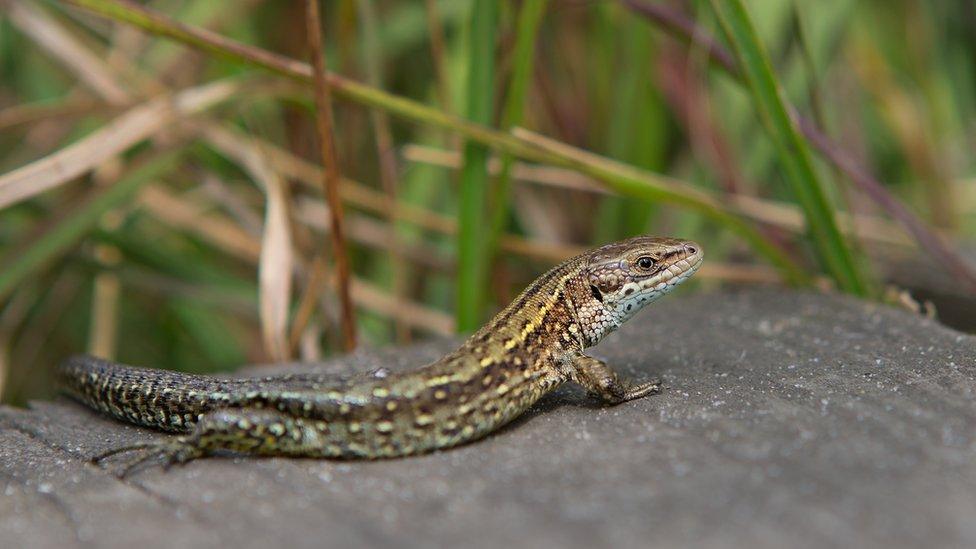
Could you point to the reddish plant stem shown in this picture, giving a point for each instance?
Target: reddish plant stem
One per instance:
(331, 179)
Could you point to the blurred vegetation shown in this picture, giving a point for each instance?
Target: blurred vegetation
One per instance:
(162, 204)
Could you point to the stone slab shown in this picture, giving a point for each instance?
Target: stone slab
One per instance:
(791, 420)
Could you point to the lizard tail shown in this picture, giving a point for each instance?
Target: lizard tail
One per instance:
(148, 397)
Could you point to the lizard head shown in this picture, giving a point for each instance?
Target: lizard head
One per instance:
(625, 276)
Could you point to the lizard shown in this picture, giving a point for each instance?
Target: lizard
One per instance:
(528, 349)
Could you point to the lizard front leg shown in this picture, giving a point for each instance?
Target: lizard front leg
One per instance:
(600, 380)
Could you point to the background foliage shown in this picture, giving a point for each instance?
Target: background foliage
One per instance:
(162, 205)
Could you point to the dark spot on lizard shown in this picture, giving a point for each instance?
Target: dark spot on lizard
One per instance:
(596, 293)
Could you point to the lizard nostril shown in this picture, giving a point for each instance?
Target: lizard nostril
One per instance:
(691, 249)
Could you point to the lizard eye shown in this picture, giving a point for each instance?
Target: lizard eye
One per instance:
(645, 263)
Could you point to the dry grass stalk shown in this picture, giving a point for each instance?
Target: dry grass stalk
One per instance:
(372, 233)
(362, 196)
(103, 332)
(331, 180)
(97, 75)
(521, 171)
(274, 271)
(373, 297)
(276, 262)
(307, 303)
(373, 59)
(226, 236)
(779, 214)
(117, 136)
(62, 110)
(191, 215)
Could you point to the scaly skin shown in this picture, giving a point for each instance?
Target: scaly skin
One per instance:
(526, 351)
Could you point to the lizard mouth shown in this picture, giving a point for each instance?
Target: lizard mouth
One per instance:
(676, 273)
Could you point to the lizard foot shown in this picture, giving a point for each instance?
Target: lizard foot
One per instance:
(602, 382)
(164, 453)
(628, 391)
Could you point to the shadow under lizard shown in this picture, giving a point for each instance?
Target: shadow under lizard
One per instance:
(528, 349)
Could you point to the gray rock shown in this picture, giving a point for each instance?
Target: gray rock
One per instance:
(955, 305)
(792, 420)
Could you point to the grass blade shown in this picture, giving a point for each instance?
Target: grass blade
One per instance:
(472, 275)
(512, 112)
(832, 249)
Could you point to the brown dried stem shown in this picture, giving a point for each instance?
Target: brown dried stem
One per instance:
(332, 178)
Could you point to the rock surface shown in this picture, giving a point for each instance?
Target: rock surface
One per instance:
(792, 420)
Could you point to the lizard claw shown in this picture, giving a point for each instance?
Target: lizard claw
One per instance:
(640, 390)
(98, 458)
(166, 453)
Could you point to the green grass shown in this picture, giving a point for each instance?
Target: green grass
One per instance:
(833, 251)
(472, 252)
(552, 95)
(40, 252)
(513, 112)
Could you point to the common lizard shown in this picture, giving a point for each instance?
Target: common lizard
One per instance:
(526, 351)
